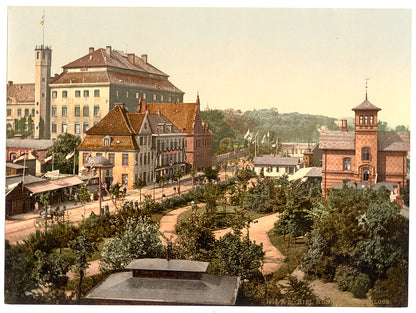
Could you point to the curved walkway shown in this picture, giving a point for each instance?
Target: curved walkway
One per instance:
(258, 232)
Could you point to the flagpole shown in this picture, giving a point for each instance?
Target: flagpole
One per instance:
(74, 163)
(24, 170)
(52, 161)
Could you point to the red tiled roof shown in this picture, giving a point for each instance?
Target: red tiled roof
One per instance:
(115, 122)
(121, 142)
(181, 114)
(20, 93)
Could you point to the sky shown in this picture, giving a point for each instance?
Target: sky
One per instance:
(312, 61)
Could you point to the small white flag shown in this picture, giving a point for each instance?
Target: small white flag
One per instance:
(70, 155)
(20, 158)
(247, 134)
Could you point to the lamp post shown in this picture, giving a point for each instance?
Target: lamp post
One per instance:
(193, 205)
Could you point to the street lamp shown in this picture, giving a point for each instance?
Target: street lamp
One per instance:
(193, 205)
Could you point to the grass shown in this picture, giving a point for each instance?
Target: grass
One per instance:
(292, 255)
(229, 212)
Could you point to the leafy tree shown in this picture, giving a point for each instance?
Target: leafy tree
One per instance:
(50, 274)
(179, 174)
(236, 256)
(63, 145)
(83, 196)
(195, 237)
(139, 239)
(299, 293)
(192, 173)
(82, 248)
(139, 184)
(210, 173)
(226, 145)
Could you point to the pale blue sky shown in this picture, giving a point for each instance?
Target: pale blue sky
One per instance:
(306, 60)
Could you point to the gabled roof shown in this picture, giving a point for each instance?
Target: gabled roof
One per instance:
(366, 105)
(338, 140)
(115, 122)
(181, 114)
(20, 93)
(275, 160)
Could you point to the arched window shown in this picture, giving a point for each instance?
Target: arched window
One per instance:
(371, 119)
(347, 164)
(13, 156)
(366, 120)
(107, 140)
(366, 175)
(361, 119)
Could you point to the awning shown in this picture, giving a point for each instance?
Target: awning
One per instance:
(50, 185)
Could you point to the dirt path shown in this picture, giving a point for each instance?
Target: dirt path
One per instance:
(168, 222)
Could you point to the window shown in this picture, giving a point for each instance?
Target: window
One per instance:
(361, 119)
(96, 93)
(365, 152)
(64, 128)
(64, 110)
(170, 98)
(111, 158)
(366, 120)
(96, 110)
(64, 94)
(161, 97)
(107, 141)
(33, 112)
(144, 96)
(85, 110)
(137, 95)
(54, 110)
(347, 164)
(9, 112)
(85, 128)
(84, 157)
(54, 129)
(366, 175)
(77, 110)
(86, 93)
(125, 179)
(154, 97)
(125, 159)
(371, 119)
(77, 93)
(77, 128)
(26, 112)
(13, 156)
(54, 94)
(127, 94)
(19, 112)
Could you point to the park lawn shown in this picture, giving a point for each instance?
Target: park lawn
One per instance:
(293, 255)
(229, 212)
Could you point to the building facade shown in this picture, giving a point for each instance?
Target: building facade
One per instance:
(187, 118)
(139, 145)
(275, 165)
(88, 88)
(365, 156)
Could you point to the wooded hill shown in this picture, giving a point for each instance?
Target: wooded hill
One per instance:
(287, 127)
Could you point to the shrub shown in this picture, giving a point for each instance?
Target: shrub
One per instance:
(360, 285)
(345, 276)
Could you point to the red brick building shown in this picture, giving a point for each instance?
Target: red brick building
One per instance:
(365, 155)
(187, 118)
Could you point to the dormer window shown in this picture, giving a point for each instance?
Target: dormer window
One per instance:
(107, 141)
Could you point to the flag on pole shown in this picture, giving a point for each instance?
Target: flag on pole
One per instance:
(42, 19)
(48, 159)
(247, 134)
(263, 139)
(20, 158)
(70, 155)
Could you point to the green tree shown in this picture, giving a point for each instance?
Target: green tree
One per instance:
(226, 145)
(192, 173)
(139, 239)
(139, 184)
(179, 174)
(195, 237)
(299, 293)
(63, 145)
(210, 173)
(83, 196)
(236, 256)
(82, 248)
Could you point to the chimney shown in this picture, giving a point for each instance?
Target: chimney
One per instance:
(131, 58)
(18, 136)
(344, 126)
(9, 83)
(120, 104)
(108, 50)
(91, 50)
(144, 58)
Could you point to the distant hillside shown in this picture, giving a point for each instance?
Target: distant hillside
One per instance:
(288, 127)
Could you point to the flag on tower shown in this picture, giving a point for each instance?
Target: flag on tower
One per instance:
(42, 19)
